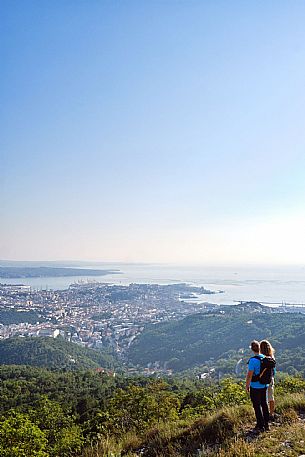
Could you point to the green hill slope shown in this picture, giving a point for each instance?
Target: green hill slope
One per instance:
(94, 414)
(51, 353)
(228, 433)
(194, 340)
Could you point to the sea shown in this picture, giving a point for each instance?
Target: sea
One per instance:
(269, 285)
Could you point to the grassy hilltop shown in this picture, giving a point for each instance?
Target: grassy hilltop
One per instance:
(226, 433)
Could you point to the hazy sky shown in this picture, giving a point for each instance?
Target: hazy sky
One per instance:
(162, 130)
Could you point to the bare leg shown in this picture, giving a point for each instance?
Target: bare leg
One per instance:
(271, 407)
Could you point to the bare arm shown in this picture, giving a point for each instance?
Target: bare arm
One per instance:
(248, 379)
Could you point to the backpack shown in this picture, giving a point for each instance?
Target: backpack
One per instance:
(266, 370)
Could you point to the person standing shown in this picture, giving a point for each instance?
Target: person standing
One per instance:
(257, 390)
(267, 350)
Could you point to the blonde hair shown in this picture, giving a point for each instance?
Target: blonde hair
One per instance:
(266, 348)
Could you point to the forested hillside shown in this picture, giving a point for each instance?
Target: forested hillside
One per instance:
(52, 353)
(197, 339)
(92, 414)
(74, 409)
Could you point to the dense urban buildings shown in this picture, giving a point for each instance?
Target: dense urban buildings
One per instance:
(93, 314)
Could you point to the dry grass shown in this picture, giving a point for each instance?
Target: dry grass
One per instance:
(237, 448)
(291, 401)
(286, 438)
(186, 439)
(106, 447)
(222, 434)
(282, 440)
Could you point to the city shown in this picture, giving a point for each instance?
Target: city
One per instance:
(93, 314)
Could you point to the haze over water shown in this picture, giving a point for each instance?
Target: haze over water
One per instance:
(262, 284)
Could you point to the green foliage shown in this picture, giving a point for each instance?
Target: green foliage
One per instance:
(52, 353)
(19, 437)
(225, 432)
(69, 442)
(11, 316)
(198, 402)
(165, 404)
(58, 414)
(231, 393)
(130, 409)
(49, 417)
(137, 407)
(202, 401)
(219, 340)
(43, 431)
(290, 384)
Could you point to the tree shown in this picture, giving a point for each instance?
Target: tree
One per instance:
(130, 409)
(69, 442)
(19, 437)
(64, 437)
(232, 393)
(164, 404)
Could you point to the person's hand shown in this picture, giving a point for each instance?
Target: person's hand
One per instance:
(248, 389)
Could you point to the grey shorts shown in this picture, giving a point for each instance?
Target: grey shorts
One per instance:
(270, 391)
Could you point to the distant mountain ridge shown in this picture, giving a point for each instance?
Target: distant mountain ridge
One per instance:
(51, 272)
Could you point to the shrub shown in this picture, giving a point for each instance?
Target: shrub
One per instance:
(19, 437)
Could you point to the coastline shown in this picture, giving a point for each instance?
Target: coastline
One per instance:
(263, 285)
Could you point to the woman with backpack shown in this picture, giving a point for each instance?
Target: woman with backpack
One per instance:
(267, 350)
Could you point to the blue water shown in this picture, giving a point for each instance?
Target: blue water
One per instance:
(273, 284)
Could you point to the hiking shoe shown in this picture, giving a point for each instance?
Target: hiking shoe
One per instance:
(272, 418)
(258, 429)
(267, 428)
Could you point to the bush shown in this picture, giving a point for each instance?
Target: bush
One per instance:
(19, 437)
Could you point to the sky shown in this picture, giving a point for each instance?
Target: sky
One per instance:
(161, 131)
